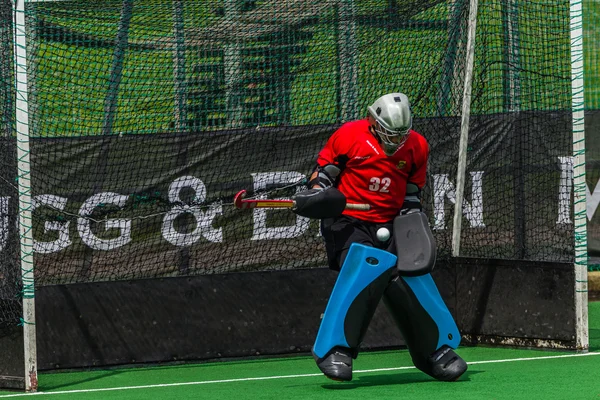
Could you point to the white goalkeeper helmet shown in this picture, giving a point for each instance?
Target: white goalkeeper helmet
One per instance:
(392, 120)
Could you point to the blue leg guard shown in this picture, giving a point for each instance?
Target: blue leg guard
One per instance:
(362, 280)
(426, 325)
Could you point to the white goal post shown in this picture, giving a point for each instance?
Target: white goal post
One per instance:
(25, 205)
(579, 183)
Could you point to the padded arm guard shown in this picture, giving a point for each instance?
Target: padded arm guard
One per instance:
(326, 176)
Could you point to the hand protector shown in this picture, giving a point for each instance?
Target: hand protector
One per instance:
(412, 200)
(319, 203)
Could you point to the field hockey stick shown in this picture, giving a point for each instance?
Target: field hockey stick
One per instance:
(240, 202)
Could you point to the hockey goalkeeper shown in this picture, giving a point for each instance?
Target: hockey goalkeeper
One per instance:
(385, 252)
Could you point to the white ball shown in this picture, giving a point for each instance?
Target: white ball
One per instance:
(383, 234)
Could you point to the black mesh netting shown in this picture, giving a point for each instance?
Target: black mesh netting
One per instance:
(147, 117)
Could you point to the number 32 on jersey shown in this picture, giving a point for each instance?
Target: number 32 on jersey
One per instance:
(379, 184)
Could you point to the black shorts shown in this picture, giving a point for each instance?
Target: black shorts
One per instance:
(339, 233)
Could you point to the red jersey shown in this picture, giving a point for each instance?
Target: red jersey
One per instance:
(372, 177)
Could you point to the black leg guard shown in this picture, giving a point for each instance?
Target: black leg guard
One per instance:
(426, 325)
(362, 280)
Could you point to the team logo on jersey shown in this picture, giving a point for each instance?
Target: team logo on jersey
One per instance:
(401, 164)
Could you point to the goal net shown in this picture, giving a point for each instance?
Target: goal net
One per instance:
(143, 119)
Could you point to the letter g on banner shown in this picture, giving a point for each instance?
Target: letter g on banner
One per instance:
(84, 222)
(203, 218)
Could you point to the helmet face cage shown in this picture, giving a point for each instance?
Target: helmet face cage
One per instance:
(391, 137)
(392, 120)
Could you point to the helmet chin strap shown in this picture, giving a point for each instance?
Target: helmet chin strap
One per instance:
(386, 148)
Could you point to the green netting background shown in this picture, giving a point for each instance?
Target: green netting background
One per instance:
(147, 117)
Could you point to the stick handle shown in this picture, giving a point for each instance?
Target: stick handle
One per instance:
(240, 202)
(361, 207)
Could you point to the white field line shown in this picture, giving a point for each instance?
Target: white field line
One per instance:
(264, 378)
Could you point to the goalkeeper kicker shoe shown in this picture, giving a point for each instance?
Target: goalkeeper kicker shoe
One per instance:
(446, 365)
(337, 365)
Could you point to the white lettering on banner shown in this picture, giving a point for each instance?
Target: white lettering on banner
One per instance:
(84, 222)
(203, 219)
(443, 188)
(261, 231)
(593, 199)
(62, 228)
(3, 221)
(566, 189)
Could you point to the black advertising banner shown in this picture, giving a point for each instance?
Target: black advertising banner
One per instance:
(134, 206)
